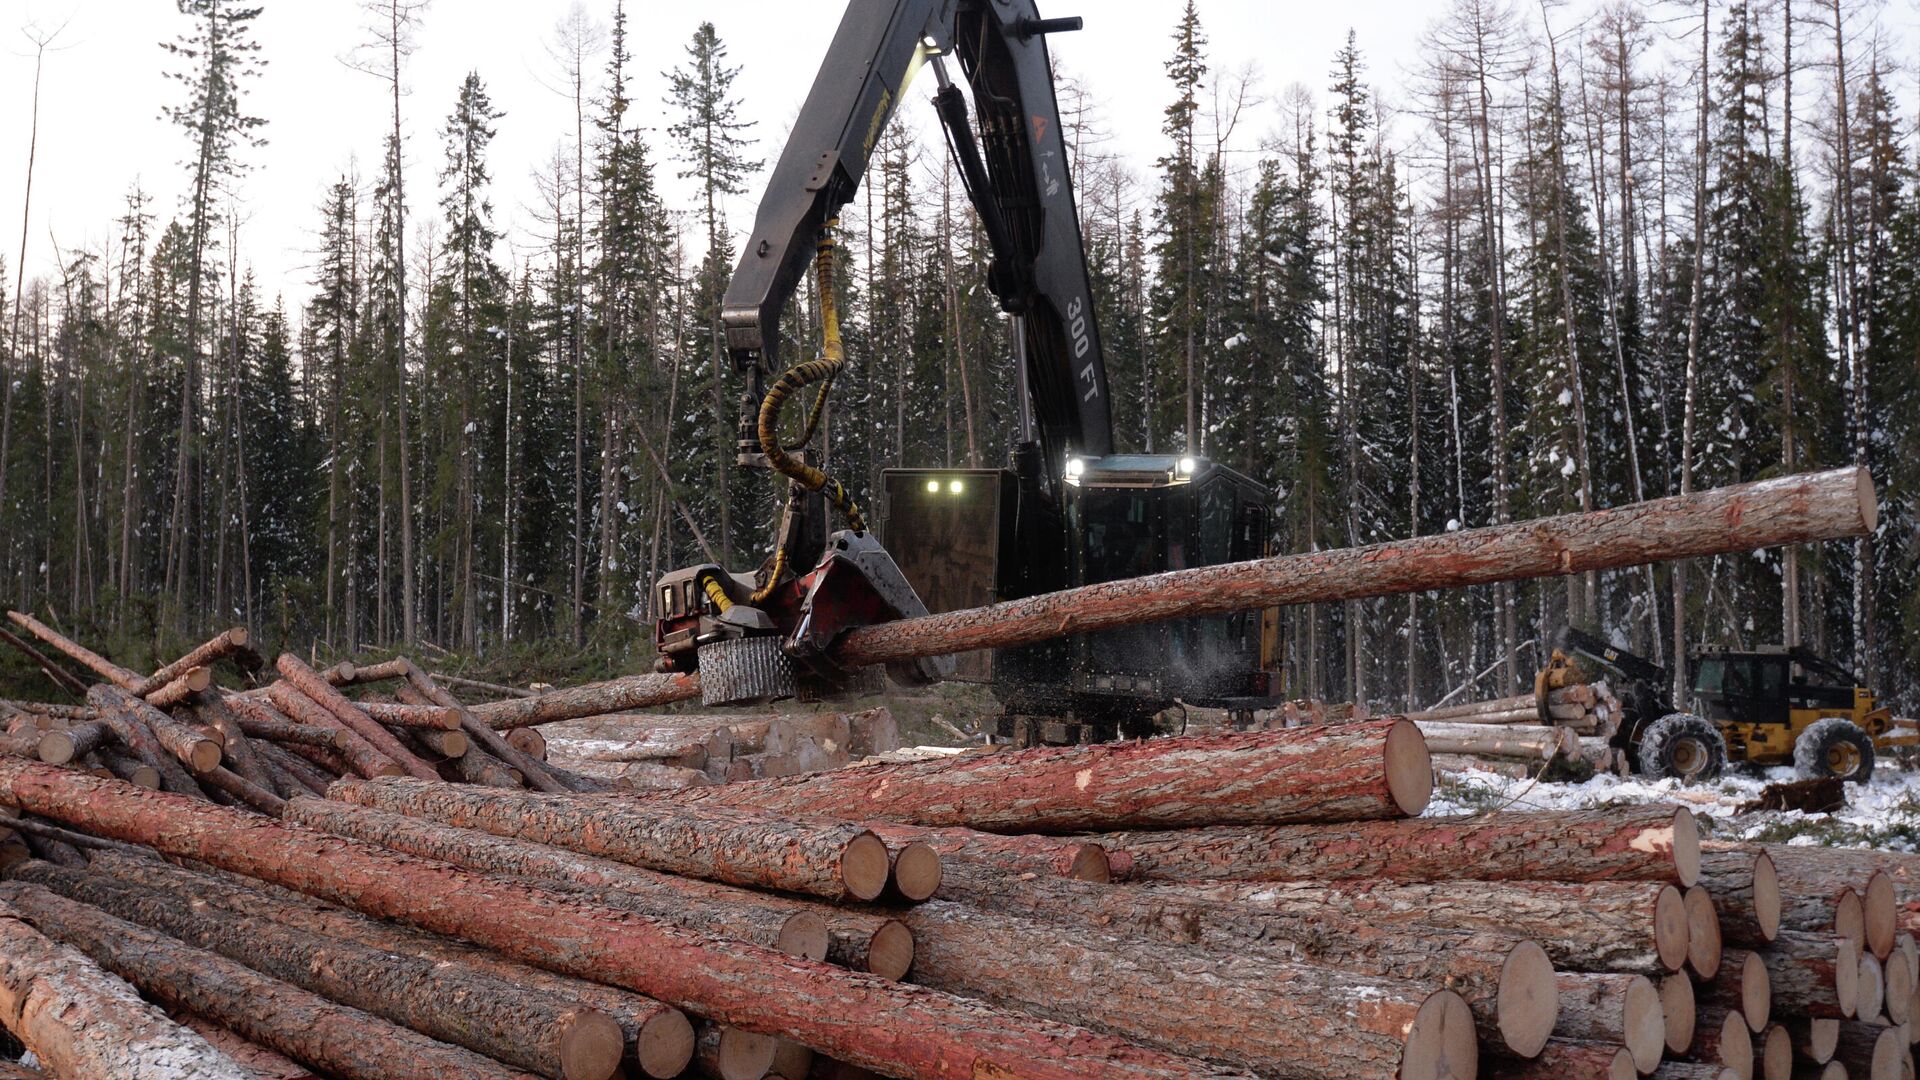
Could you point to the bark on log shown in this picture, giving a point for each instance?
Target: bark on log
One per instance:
(234, 744)
(1567, 1059)
(124, 678)
(244, 790)
(435, 717)
(1622, 1010)
(309, 682)
(1653, 843)
(184, 686)
(84, 1024)
(61, 747)
(452, 1002)
(129, 768)
(1746, 891)
(125, 715)
(1873, 1051)
(491, 688)
(1636, 928)
(1049, 856)
(260, 721)
(932, 1035)
(772, 922)
(360, 755)
(538, 776)
(1313, 1021)
(1527, 742)
(1507, 981)
(343, 674)
(830, 859)
(1815, 975)
(334, 1038)
(1722, 1037)
(658, 1037)
(1355, 771)
(260, 1062)
(1825, 871)
(228, 643)
(1819, 888)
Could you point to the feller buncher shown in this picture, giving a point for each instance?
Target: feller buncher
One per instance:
(1775, 705)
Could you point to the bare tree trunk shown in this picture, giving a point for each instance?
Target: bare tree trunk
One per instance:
(1693, 350)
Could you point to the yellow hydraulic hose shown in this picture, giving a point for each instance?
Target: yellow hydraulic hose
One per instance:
(800, 376)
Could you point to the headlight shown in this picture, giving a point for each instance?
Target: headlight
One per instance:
(955, 487)
(933, 487)
(1076, 466)
(1187, 465)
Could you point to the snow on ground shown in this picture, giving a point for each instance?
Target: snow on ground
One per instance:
(1883, 813)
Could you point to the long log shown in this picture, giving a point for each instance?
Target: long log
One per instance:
(1528, 742)
(259, 720)
(85, 1024)
(228, 643)
(435, 717)
(1570, 1059)
(1653, 843)
(1637, 928)
(334, 1038)
(1825, 871)
(235, 746)
(1313, 1022)
(1350, 772)
(60, 747)
(59, 675)
(1052, 856)
(1742, 983)
(124, 678)
(309, 682)
(1506, 980)
(1623, 1010)
(933, 1035)
(538, 775)
(835, 860)
(1723, 1038)
(658, 1037)
(1813, 975)
(554, 1037)
(362, 756)
(773, 922)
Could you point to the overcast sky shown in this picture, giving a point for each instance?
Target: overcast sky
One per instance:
(104, 86)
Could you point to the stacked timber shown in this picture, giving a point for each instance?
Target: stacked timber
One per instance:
(1515, 735)
(652, 751)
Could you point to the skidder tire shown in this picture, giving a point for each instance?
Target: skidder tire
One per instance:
(1683, 746)
(1834, 748)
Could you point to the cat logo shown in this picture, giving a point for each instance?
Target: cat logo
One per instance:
(1039, 129)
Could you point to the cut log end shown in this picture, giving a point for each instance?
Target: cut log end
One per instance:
(916, 871)
(1670, 928)
(591, 1046)
(1766, 896)
(664, 1044)
(1735, 1049)
(57, 747)
(1409, 768)
(1703, 932)
(1850, 917)
(198, 679)
(1776, 1054)
(1756, 992)
(1441, 1044)
(1822, 1041)
(1090, 863)
(865, 867)
(1872, 988)
(1677, 1009)
(145, 776)
(1645, 1025)
(805, 935)
(1899, 973)
(791, 1061)
(890, 953)
(738, 1055)
(1891, 1058)
(1846, 977)
(1878, 914)
(1869, 503)
(1528, 1003)
(1686, 847)
(204, 757)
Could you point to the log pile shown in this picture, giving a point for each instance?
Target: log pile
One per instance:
(1153, 909)
(666, 750)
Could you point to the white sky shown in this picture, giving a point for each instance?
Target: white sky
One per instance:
(102, 93)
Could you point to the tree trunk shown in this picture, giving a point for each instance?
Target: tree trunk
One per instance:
(1652, 843)
(933, 1036)
(1813, 975)
(336, 1039)
(771, 921)
(834, 860)
(1314, 1022)
(1011, 856)
(1636, 928)
(450, 1001)
(1746, 890)
(260, 1062)
(1350, 772)
(85, 1024)
(1528, 742)
(1507, 981)
(122, 677)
